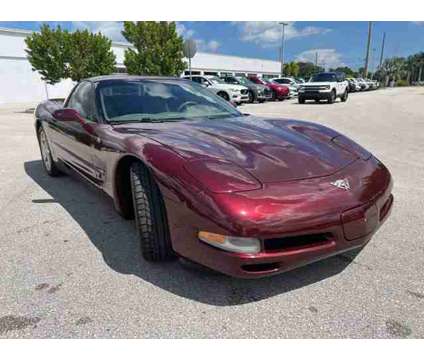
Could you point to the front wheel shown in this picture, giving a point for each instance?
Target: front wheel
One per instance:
(224, 95)
(332, 97)
(150, 215)
(251, 97)
(344, 96)
(46, 156)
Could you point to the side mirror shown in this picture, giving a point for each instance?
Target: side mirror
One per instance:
(67, 115)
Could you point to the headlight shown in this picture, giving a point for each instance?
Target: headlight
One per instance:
(231, 243)
(327, 87)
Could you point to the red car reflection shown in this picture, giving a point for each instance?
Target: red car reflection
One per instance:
(279, 91)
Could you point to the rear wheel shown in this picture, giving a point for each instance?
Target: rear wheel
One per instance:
(150, 215)
(46, 156)
(344, 96)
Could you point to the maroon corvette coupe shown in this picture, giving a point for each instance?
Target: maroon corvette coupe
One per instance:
(243, 195)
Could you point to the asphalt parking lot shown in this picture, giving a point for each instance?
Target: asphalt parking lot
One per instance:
(70, 266)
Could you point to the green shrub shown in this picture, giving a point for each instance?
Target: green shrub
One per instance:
(401, 83)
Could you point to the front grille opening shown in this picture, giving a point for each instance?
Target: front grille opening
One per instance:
(267, 267)
(296, 242)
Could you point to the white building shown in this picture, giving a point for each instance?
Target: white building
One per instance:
(18, 83)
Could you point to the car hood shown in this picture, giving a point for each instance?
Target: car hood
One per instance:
(271, 150)
(261, 87)
(228, 86)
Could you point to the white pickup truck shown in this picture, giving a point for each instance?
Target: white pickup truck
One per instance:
(324, 86)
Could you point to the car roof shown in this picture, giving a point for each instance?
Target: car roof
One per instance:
(129, 77)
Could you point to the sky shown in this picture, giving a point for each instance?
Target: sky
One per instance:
(336, 43)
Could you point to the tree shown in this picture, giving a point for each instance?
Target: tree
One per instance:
(307, 69)
(344, 69)
(58, 54)
(158, 49)
(89, 55)
(291, 69)
(47, 53)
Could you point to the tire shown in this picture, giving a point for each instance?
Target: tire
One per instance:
(301, 100)
(46, 157)
(150, 215)
(251, 97)
(274, 96)
(332, 97)
(317, 101)
(344, 96)
(224, 95)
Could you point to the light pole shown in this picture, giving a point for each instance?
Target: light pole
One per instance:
(282, 47)
(367, 57)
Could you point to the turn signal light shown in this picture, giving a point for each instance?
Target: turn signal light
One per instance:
(231, 243)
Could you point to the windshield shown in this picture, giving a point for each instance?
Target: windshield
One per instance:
(159, 100)
(324, 77)
(282, 81)
(244, 81)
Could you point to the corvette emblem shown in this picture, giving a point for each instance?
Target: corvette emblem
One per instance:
(342, 184)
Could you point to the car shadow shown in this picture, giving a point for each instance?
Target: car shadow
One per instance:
(314, 103)
(117, 241)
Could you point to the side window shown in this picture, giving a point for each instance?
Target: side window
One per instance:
(206, 82)
(81, 100)
(196, 79)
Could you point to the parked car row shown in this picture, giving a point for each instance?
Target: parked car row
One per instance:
(360, 84)
(241, 89)
(327, 86)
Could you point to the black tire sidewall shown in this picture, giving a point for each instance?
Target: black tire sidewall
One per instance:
(54, 171)
(150, 215)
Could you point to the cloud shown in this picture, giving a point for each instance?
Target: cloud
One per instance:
(211, 45)
(208, 46)
(183, 31)
(328, 58)
(111, 29)
(268, 33)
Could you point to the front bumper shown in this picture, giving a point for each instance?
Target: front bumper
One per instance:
(333, 220)
(239, 98)
(315, 94)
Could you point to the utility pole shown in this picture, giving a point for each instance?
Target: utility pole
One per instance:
(382, 50)
(282, 47)
(367, 58)
(316, 58)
